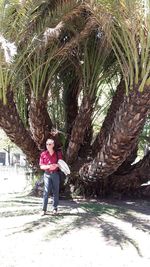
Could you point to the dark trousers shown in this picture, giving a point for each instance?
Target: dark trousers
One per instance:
(51, 185)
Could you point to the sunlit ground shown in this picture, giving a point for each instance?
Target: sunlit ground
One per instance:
(84, 234)
(13, 179)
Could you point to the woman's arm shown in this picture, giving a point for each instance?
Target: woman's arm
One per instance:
(49, 167)
(45, 167)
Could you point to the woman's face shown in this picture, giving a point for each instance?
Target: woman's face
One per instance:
(50, 144)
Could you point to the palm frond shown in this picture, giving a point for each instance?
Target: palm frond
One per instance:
(129, 36)
(131, 42)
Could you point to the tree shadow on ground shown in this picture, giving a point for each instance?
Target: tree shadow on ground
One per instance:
(77, 215)
(120, 212)
(18, 212)
(35, 225)
(112, 233)
(116, 236)
(140, 206)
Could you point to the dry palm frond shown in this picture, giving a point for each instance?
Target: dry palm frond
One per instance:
(52, 33)
(73, 45)
(47, 14)
(84, 10)
(9, 49)
(66, 25)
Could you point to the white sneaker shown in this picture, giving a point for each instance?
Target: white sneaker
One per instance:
(43, 213)
(54, 211)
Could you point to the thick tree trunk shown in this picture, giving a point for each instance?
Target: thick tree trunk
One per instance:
(126, 165)
(39, 121)
(123, 135)
(15, 130)
(118, 185)
(143, 192)
(80, 125)
(85, 149)
(106, 126)
(71, 104)
(130, 184)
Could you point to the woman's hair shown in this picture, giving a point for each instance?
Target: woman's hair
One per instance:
(50, 140)
(54, 141)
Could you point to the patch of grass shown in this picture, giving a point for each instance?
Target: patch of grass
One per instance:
(101, 208)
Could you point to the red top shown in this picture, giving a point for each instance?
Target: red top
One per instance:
(46, 159)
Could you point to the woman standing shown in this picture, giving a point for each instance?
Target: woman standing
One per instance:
(48, 163)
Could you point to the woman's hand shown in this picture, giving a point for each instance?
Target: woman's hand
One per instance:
(50, 167)
(53, 166)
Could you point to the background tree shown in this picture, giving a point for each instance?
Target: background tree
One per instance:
(7, 145)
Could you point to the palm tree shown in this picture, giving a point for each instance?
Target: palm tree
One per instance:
(43, 62)
(35, 63)
(96, 52)
(130, 42)
(39, 80)
(14, 128)
(105, 129)
(37, 58)
(71, 88)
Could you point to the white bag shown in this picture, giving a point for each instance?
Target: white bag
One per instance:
(63, 167)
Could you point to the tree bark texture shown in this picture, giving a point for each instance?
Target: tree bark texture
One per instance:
(15, 130)
(39, 121)
(123, 135)
(126, 166)
(130, 184)
(81, 123)
(118, 186)
(85, 149)
(71, 104)
(106, 126)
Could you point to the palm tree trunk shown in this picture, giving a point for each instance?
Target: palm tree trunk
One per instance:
(71, 103)
(118, 185)
(39, 121)
(81, 123)
(104, 131)
(130, 184)
(85, 149)
(11, 123)
(126, 166)
(122, 137)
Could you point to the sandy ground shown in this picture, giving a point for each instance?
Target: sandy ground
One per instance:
(83, 234)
